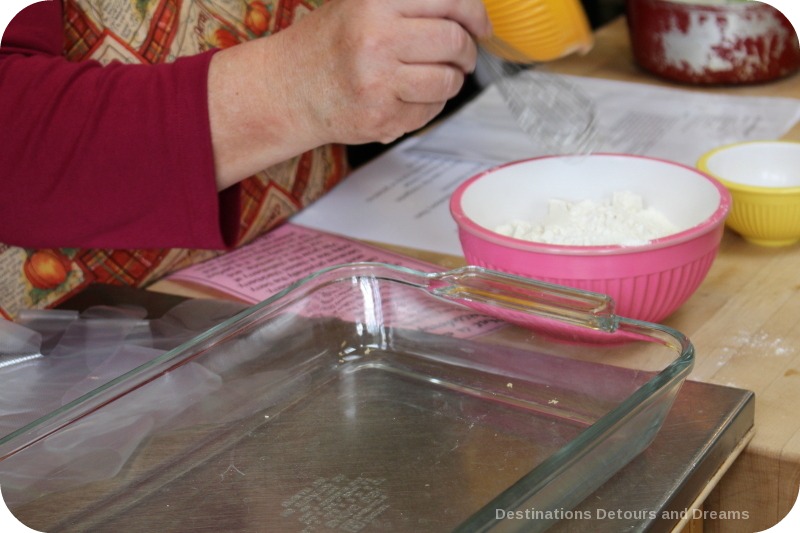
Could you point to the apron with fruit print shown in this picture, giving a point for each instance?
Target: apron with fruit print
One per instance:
(108, 30)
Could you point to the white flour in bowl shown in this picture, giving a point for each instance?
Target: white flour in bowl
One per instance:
(624, 220)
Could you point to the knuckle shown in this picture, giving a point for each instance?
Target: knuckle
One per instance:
(375, 119)
(372, 42)
(380, 121)
(388, 139)
(457, 38)
(452, 81)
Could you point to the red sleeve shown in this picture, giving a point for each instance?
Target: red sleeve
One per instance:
(94, 156)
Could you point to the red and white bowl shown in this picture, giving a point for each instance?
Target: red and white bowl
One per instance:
(712, 42)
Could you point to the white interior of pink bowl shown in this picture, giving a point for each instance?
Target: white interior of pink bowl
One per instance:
(759, 164)
(522, 190)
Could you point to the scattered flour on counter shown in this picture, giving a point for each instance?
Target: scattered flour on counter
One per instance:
(758, 344)
(765, 344)
(624, 220)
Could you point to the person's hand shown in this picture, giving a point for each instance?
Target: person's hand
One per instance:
(372, 70)
(352, 72)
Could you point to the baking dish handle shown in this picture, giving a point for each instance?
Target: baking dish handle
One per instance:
(524, 300)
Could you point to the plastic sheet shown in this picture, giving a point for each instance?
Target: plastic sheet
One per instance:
(18, 343)
(49, 358)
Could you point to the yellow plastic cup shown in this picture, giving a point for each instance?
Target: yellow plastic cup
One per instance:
(538, 30)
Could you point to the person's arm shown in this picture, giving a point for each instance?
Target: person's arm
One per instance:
(92, 156)
(129, 156)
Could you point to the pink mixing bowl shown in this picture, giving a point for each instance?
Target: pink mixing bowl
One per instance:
(647, 280)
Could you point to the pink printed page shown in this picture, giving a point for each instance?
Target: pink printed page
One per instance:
(272, 262)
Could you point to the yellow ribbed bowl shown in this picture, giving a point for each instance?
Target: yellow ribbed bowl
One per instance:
(541, 30)
(763, 178)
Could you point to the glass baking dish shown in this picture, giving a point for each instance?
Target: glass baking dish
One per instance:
(365, 397)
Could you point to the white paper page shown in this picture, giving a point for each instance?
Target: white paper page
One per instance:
(401, 197)
(397, 198)
(675, 124)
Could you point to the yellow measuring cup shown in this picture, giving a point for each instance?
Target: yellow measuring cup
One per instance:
(537, 30)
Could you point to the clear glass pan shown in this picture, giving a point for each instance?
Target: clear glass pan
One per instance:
(365, 397)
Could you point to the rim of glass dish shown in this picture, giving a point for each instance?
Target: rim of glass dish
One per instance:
(530, 483)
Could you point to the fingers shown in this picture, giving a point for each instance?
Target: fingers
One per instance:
(377, 69)
(470, 14)
(428, 41)
(427, 84)
(418, 115)
(408, 117)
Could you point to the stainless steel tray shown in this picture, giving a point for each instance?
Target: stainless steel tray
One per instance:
(365, 397)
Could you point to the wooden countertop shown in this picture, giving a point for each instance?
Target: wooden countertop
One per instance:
(744, 321)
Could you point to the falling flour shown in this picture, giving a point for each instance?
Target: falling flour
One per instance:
(624, 220)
